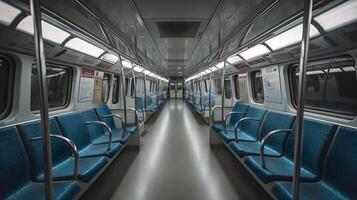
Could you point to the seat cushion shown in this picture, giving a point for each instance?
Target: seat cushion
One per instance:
(251, 148)
(61, 191)
(88, 168)
(276, 169)
(132, 129)
(230, 136)
(308, 191)
(94, 150)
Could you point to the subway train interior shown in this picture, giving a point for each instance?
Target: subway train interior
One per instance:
(178, 99)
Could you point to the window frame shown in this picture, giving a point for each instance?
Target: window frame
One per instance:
(317, 110)
(252, 82)
(71, 78)
(10, 88)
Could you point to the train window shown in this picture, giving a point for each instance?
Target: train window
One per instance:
(227, 88)
(6, 83)
(105, 87)
(58, 87)
(179, 86)
(331, 87)
(172, 86)
(126, 86)
(236, 86)
(205, 83)
(257, 85)
(217, 83)
(132, 88)
(116, 89)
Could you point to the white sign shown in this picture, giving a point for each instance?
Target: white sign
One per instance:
(86, 85)
(272, 89)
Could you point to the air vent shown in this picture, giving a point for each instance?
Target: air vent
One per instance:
(179, 29)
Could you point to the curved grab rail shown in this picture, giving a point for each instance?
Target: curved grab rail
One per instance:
(235, 130)
(264, 141)
(228, 115)
(107, 127)
(73, 148)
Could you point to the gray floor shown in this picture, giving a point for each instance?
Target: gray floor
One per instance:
(175, 161)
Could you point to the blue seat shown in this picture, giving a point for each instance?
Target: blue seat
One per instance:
(248, 129)
(99, 134)
(74, 128)
(317, 137)
(238, 107)
(103, 110)
(62, 161)
(338, 174)
(275, 146)
(15, 172)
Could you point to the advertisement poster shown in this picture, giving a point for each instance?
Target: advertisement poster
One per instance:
(86, 85)
(272, 90)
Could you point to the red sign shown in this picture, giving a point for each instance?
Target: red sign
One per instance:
(88, 73)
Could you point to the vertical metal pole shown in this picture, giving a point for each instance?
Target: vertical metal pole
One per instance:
(41, 69)
(145, 97)
(124, 95)
(209, 95)
(301, 97)
(223, 87)
(134, 81)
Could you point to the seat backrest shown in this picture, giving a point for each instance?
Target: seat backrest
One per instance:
(95, 130)
(103, 110)
(252, 127)
(73, 127)
(317, 137)
(341, 163)
(59, 149)
(238, 107)
(273, 121)
(14, 163)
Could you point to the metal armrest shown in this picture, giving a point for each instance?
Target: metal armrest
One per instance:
(136, 115)
(107, 127)
(240, 122)
(215, 107)
(227, 116)
(117, 116)
(73, 148)
(265, 139)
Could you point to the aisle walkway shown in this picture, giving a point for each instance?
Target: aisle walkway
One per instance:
(176, 162)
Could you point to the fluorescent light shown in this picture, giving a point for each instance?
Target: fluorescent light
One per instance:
(126, 64)
(49, 31)
(138, 69)
(257, 50)
(234, 59)
(290, 37)
(146, 72)
(110, 58)
(8, 13)
(213, 69)
(339, 16)
(207, 71)
(84, 47)
(220, 65)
